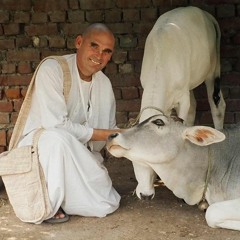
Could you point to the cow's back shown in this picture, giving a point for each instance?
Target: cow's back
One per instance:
(178, 41)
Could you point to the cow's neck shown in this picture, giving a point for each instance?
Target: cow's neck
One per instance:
(186, 174)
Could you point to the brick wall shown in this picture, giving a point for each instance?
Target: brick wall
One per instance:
(31, 30)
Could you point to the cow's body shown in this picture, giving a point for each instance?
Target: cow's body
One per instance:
(181, 156)
(181, 52)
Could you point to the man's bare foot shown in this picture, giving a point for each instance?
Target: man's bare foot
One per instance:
(59, 217)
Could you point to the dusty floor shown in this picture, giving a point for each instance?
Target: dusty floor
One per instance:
(165, 217)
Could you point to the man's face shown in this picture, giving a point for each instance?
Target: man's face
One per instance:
(94, 51)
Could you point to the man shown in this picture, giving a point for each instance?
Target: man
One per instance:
(78, 183)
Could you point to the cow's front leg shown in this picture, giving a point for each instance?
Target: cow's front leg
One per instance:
(224, 214)
(145, 177)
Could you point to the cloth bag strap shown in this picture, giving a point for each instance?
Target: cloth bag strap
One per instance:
(24, 111)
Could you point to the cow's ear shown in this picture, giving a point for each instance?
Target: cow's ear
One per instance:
(203, 136)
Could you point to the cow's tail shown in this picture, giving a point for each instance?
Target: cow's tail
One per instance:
(216, 93)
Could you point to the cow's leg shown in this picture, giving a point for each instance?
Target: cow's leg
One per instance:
(145, 177)
(192, 110)
(224, 214)
(184, 106)
(218, 111)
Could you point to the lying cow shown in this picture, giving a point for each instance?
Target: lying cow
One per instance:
(193, 162)
(181, 52)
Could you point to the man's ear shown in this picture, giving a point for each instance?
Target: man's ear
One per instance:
(203, 136)
(78, 41)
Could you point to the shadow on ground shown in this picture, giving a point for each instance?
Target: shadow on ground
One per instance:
(163, 218)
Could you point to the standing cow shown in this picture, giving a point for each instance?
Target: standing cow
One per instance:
(193, 162)
(181, 52)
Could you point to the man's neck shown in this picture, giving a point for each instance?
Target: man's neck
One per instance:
(84, 77)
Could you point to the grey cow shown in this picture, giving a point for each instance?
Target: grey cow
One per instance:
(189, 160)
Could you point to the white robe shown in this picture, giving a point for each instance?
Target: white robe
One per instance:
(76, 178)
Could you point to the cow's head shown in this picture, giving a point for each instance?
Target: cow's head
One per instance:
(157, 140)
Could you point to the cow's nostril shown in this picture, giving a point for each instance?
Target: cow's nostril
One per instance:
(112, 136)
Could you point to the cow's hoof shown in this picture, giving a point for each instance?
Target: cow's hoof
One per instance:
(146, 197)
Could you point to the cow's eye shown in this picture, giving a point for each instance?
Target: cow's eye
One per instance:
(158, 122)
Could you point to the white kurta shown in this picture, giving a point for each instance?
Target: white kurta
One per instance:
(76, 178)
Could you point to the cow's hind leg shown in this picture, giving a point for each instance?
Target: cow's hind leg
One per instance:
(224, 214)
(216, 102)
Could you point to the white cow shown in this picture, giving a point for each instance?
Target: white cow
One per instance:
(192, 162)
(181, 52)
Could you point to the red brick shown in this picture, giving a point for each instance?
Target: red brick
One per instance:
(121, 28)
(128, 105)
(58, 16)
(4, 16)
(15, 80)
(71, 43)
(1, 30)
(121, 117)
(133, 4)
(13, 93)
(113, 15)
(96, 4)
(117, 93)
(135, 55)
(171, 4)
(73, 28)
(149, 14)
(119, 56)
(126, 68)
(233, 105)
(216, 2)
(21, 17)
(24, 67)
(8, 68)
(131, 15)
(17, 105)
(38, 29)
(76, 16)
(7, 44)
(50, 5)
(23, 55)
(6, 106)
(57, 42)
(125, 80)
(3, 138)
(13, 5)
(14, 117)
(3, 149)
(4, 118)
(73, 4)
(95, 16)
(130, 93)
(11, 29)
(23, 42)
(39, 17)
(225, 11)
(111, 68)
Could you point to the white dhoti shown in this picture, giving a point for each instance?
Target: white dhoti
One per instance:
(76, 178)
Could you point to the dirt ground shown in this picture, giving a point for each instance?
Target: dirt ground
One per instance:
(163, 218)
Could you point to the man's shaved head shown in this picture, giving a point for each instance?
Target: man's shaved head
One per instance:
(97, 27)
